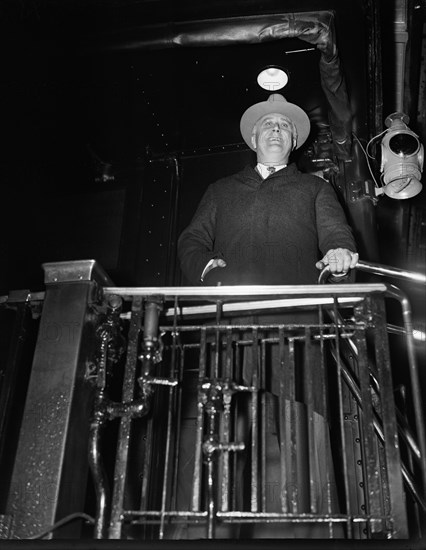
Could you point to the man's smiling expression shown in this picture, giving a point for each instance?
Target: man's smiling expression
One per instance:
(274, 138)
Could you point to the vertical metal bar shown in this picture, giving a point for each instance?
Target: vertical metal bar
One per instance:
(175, 182)
(211, 467)
(146, 460)
(125, 421)
(254, 506)
(324, 380)
(228, 359)
(169, 432)
(216, 362)
(226, 426)
(291, 385)
(166, 479)
(282, 422)
(263, 424)
(372, 489)
(150, 335)
(238, 378)
(309, 396)
(178, 426)
(196, 486)
(324, 409)
(391, 442)
(211, 512)
(150, 342)
(178, 374)
(341, 421)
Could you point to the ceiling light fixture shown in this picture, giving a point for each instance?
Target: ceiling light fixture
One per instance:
(272, 78)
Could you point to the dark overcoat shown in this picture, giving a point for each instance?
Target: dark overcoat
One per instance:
(268, 231)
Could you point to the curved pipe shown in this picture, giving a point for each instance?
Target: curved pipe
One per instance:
(100, 481)
(106, 409)
(406, 432)
(397, 294)
(354, 388)
(316, 28)
(394, 292)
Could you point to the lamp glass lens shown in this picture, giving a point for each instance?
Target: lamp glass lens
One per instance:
(404, 144)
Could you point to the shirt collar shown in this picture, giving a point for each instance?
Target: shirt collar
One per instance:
(263, 169)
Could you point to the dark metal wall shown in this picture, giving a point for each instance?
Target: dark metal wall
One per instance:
(96, 123)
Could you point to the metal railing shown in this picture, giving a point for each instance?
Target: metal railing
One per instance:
(204, 367)
(382, 270)
(216, 401)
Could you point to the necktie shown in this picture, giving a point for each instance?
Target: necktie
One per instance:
(271, 169)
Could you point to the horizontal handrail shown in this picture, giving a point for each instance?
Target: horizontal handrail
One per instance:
(380, 269)
(389, 271)
(239, 292)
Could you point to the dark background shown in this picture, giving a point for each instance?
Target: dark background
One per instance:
(95, 125)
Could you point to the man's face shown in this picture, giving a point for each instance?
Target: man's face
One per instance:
(274, 137)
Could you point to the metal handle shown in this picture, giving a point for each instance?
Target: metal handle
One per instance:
(379, 269)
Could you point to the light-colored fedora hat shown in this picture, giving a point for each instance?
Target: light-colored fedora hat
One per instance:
(276, 103)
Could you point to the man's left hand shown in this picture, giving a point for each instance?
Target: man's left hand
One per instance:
(340, 260)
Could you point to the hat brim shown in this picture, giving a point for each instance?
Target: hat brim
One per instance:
(297, 115)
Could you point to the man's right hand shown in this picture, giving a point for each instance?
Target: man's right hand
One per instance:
(217, 262)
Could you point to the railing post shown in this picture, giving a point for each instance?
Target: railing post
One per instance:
(49, 480)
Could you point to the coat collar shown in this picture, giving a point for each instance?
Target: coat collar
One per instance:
(251, 176)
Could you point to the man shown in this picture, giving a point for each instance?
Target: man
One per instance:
(257, 227)
(270, 225)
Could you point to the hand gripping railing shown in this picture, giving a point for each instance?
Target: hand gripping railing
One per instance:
(380, 269)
